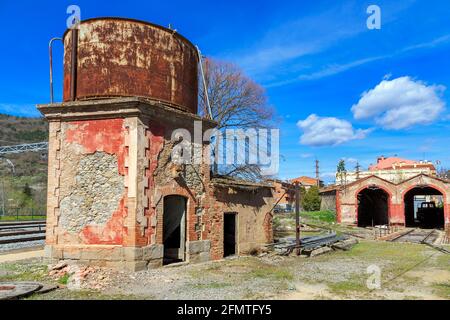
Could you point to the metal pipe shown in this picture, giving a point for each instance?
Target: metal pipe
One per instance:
(297, 218)
(73, 69)
(200, 62)
(50, 53)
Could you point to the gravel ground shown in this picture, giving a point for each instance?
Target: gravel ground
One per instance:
(335, 275)
(21, 245)
(408, 271)
(228, 279)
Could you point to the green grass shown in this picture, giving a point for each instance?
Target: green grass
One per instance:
(395, 261)
(64, 279)
(21, 272)
(442, 289)
(276, 273)
(349, 286)
(65, 294)
(318, 216)
(39, 273)
(393, 258)
(22, 218)
(322, 216)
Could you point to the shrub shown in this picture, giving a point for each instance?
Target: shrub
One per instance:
(311, 199)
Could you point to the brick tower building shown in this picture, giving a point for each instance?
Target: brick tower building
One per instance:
(115, 196)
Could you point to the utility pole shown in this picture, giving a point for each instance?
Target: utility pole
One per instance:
(297, 218)
(3, 197)
(317, 173)
(358, 167)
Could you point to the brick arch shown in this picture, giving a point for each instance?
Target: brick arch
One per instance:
(429, 185)
(190, 211)
(434, 186)
(367, 186)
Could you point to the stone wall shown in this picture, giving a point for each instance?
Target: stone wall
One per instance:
(90, 183)
(328, 201)
(253, 218)
(110, 167)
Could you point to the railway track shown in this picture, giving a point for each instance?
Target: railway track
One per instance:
(7, 226)
(21, 232)
(421, 236)
(18, 240)
(417, 236)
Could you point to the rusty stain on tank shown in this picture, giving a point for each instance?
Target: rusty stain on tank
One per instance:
(124, 57)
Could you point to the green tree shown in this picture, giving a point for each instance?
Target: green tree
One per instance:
(341, 171)
(27, 190)
(311, 199)
(26, 197)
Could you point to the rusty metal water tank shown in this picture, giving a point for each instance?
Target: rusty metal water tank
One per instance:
(118, 57)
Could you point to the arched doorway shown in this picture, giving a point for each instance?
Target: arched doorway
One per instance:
(424, 208)
(373, 207)
(174, 229)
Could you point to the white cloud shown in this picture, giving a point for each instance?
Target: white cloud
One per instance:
(350, 160)
(400, 103)
(325, 131)
(306, 155)
(333, 69)
(273, 54)
(337, 68)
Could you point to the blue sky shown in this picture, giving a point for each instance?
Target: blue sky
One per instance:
(371, 92)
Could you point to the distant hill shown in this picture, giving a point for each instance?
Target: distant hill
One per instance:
(17, 130)
(30, 167)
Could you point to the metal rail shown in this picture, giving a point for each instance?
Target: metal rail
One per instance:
(20, 233)
(28, 147)
(424, 241)
(401, 235)
(15, 226)
(22, 223)
(17, 240)
(309, 243)
(414, 232)
(331, 229)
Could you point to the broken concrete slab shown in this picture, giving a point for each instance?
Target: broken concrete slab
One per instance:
(60, 265)
(16, 290)
(345, 245)
(320, 251)
(46, 288)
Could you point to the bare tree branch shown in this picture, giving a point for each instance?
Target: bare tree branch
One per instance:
(236, 102)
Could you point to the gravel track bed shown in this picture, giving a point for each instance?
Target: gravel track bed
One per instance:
(20, 245)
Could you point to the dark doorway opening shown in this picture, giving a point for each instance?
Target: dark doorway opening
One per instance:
(174, 229)
(373, 207)
(229, 234)
(424, 208)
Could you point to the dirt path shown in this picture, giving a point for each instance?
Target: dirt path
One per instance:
(11, 257)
